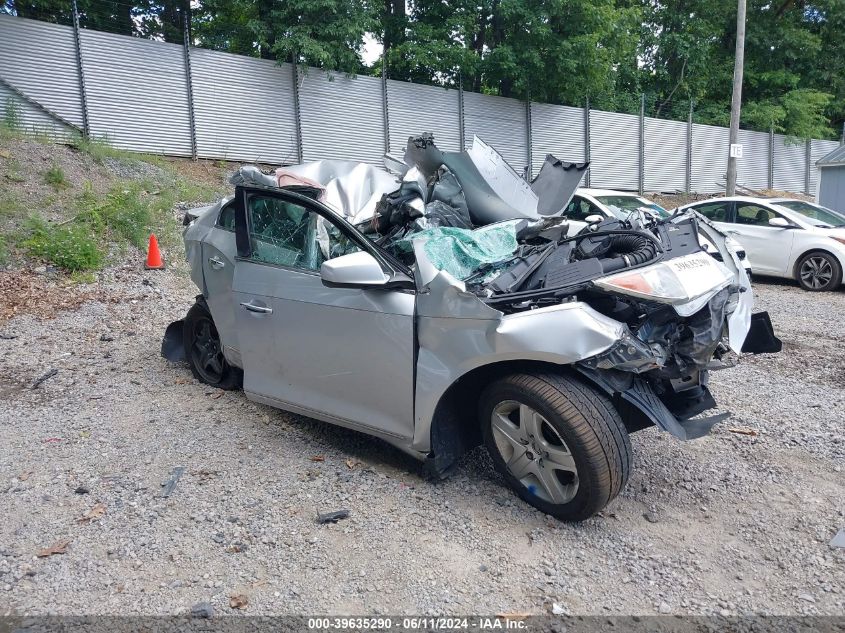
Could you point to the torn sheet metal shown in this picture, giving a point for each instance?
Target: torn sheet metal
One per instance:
(739, 321)
(352, 189)
(483, 188)
(250, 175)
(556, 183)
(502, 179)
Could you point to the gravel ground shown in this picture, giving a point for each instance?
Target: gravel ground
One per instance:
(731, 524)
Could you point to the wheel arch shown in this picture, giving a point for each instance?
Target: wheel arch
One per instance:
(455, 427)
(810, 251)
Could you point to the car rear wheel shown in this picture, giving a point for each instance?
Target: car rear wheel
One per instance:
(819, 271)
(560, 444)
(204, 351)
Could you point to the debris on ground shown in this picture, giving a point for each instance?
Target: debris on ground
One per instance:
(332, 517)
(22, 292)
(318, 458)
(170, 484)
(839, 539)
(744, 431)
(81, 490)
(43, 378)
(202, 610)
(236, 548)
(94, 514)
(59, 547)
(238, 601)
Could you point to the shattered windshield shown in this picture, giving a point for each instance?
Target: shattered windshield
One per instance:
(813, 214)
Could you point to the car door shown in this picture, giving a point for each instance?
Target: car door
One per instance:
(218, 263)
(768, 247)
(341, 354)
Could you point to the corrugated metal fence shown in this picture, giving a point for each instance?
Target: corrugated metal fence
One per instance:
(155, 97)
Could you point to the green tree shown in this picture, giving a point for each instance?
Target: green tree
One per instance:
(687, 54)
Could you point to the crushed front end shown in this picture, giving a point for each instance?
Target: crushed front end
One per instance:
(674, 288)
(685, 312)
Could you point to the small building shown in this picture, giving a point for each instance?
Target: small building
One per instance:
(832, 180)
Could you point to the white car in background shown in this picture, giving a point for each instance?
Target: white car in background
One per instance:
(784, 237)
(608, 204)
(624, 205)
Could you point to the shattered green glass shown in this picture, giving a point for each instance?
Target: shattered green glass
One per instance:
(461, 252)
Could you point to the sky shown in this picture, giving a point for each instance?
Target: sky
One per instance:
(372, 49)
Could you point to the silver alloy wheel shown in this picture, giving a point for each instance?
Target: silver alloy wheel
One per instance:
(816, 272)
(534, 452)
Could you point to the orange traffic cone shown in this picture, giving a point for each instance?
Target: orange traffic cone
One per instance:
(154, 258)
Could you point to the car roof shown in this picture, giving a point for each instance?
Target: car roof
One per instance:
(779, 200)
(736, 199)
(607, 192)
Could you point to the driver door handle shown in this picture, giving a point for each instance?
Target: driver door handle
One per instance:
(256, 308)
(216, 262)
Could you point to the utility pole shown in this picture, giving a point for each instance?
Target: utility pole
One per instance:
(736, 96)
(83, 97)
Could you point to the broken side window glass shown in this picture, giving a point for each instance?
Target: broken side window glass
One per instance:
(284, 233)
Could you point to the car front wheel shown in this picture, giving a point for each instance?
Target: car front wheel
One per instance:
(204, 351)
(819, 272)
(558, 443)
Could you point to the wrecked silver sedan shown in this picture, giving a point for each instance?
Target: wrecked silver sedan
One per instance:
(441, 302)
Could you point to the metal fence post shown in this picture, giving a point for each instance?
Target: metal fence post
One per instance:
(641, 175)
(297, 110)
(771, 158)
(689, 149)
(189, 83)
(529, 169)
(384, 113)
(587, 139)
(461, 137)
(83, 97)
(808, 157)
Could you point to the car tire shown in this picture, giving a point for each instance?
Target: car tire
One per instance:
(204, 351)
(818, 272)
(576, 453)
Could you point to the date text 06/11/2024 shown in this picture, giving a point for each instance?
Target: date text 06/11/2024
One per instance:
(416, 623)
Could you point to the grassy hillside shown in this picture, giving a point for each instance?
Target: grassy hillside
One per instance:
(82, 206)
